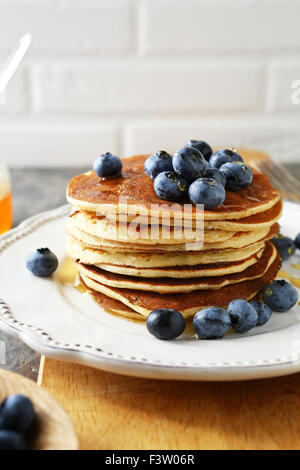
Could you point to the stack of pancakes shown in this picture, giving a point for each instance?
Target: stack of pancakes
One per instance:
(134, 256)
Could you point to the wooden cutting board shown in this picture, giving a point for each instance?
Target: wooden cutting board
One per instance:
(52, 428)
(110, 411)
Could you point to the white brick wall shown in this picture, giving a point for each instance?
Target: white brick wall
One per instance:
(138, 75)
(155, 88)
(70, 27)
(216, 26)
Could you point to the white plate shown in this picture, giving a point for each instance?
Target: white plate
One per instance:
(61, 323)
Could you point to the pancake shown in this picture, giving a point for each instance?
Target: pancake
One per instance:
(92, 241)
(133, 193)
(253, 222)
(101, 227)
(237, 240)
(243, 239)
(187, 303)
(167, 285)
(150, 260)
(115, 307)
(185, 272)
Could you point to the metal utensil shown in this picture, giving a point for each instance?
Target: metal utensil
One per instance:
(281, 178)
(14, 61)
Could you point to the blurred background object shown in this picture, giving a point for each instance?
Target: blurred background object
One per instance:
(135, 76)
(6, 74)
(6, 218)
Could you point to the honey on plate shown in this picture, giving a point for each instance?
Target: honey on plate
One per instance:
(6, 215)
(285, 275)
(68, 275)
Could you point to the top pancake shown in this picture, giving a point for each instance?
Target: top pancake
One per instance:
(133, 193)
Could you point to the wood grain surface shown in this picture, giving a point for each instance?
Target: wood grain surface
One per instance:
(110, 411)
(52, 428)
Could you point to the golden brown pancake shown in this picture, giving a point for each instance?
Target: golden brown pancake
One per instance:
(88, 191)
(150, 260)
(252, 222)
(91, 241)
(102, 228)
(245, 224)
(167, 285)
(185, 272)
(188, 304)
(115, 307)
(238, 240)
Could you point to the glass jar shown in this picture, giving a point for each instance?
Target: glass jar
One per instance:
(6, 214)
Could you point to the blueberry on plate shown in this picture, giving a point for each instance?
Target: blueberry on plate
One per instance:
(207, 191)
(42, 262)
(220, 157)
(165, 323)
(216, 174)
(263, 311)
(202, 146)
(211, 323)
(237, 174)
(11, 440)
(297, 241)
(16, 413)
(189, 163)
(171, 187)
(107, 165)
(285, 245)
(157, 163)
(243, 315)
(280, 295)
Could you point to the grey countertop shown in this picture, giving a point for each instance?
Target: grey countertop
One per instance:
(36, 190)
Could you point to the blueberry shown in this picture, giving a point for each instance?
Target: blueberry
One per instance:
(211, 323)
(297, 241)
(165, 323)
(16, 413)
(10, 440)
(107, 165)
(189, 163)
(170, 187)
(202, 146)
(285, 245)
(157, 163)
(41, 262)
(243, 315)
(207, 166)
(238, 175)
(220, 157)
(280, 295)
(263, 311)
(216, 174)
(207, 191)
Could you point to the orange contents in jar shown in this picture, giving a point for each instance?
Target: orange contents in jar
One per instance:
(6, 216)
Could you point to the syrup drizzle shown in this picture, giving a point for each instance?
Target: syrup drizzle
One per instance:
(294, 280)
(68, 275)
